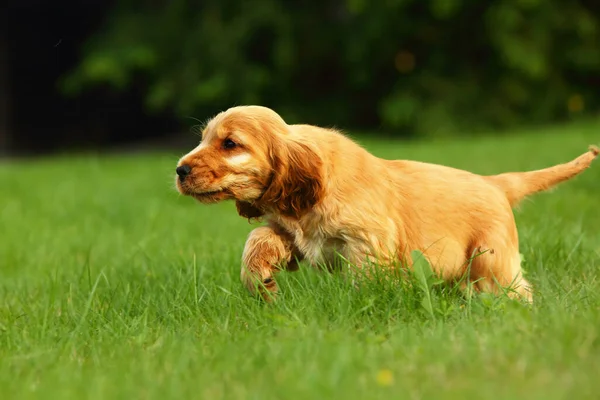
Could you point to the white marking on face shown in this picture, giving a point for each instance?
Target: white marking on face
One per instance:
(239, 159)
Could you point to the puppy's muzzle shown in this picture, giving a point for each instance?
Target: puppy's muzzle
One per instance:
(183, 171)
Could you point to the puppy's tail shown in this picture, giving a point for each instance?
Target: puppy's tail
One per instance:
(518, 185)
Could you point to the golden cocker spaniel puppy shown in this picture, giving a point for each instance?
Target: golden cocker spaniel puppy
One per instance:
(323, 195)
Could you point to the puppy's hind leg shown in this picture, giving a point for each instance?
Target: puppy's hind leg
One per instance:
(495, 269)
(267, 251)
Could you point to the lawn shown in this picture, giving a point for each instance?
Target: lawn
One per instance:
(113, 286)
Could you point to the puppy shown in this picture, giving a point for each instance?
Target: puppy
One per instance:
(323, 196)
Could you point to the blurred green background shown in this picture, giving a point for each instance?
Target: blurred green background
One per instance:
(128, 70)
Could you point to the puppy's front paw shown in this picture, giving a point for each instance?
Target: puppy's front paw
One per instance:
(265, 286)
(269, 289)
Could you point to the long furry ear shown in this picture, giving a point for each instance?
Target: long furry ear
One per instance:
(247, 210)
(297, 181)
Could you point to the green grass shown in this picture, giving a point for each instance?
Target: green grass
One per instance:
(114, 286)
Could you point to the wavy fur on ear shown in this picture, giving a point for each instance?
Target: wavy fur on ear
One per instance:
(297, 181)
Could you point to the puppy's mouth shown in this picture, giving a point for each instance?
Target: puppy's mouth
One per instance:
(211, 196)
(211, 193)
(188, 188)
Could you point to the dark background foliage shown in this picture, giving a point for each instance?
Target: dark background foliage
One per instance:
(132, 69)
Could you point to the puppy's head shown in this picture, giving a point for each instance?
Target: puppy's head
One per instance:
(250, 155)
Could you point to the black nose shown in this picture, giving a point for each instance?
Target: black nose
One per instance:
(183, 171)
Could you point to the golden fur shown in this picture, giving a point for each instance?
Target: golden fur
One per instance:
(323, 194)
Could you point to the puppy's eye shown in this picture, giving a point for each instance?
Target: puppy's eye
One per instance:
(229, 144)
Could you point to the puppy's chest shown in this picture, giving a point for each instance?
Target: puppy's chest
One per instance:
(316, 244)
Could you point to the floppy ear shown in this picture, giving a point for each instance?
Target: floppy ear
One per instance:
(297, 182)
(247, 210)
